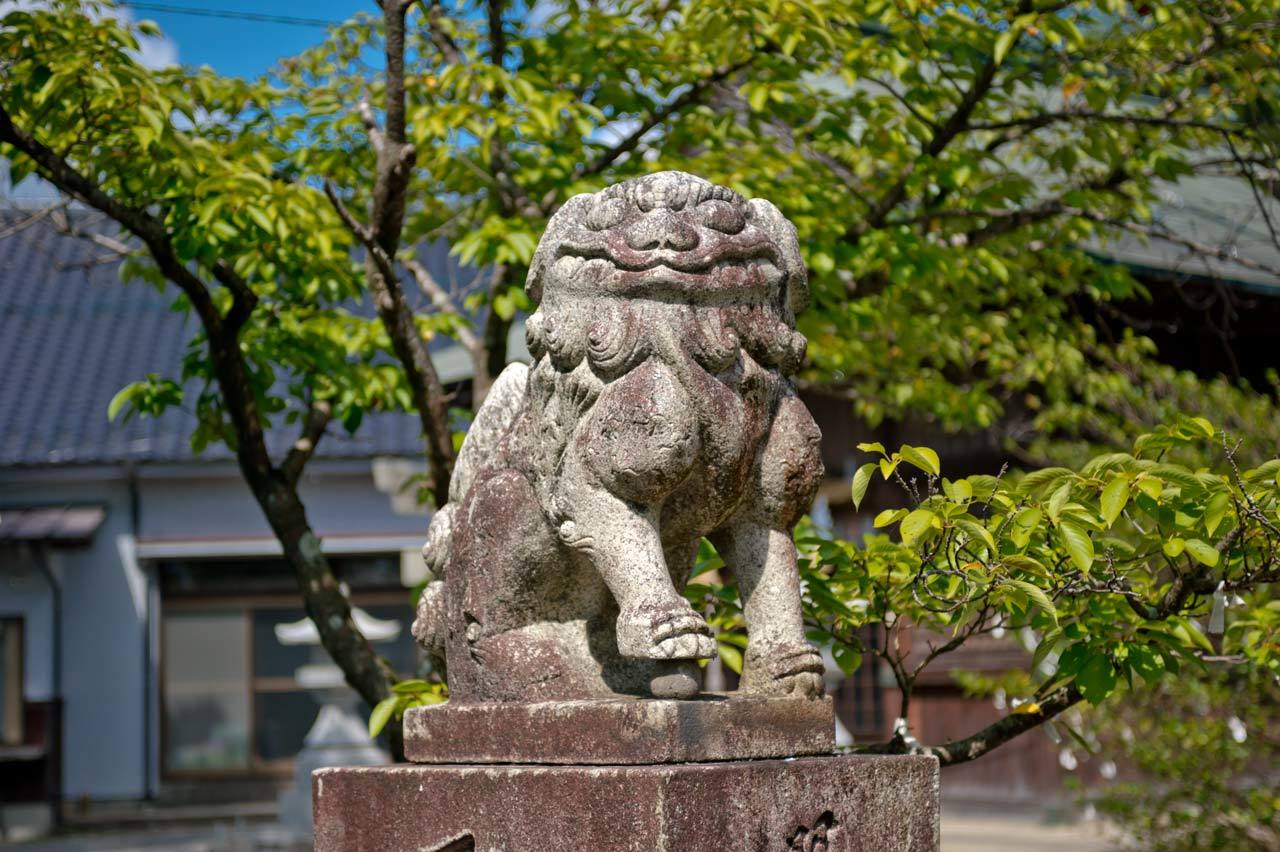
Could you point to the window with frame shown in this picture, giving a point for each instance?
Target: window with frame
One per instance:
(232, 702)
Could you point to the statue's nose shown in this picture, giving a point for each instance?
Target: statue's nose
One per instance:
(662, 229)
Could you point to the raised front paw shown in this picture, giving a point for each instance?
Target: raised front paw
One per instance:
(787, 669)
(665, 633)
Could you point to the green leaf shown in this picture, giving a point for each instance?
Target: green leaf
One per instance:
(1025, 563)
(1058, 500)
(861, 480)
(916, 525)
(1097, 679)
(1038, 595)
(888, 517)
(923, 458)
(977, 531)
(410, 687)
(1153, 488)
(259, 217)
(1192, 635)
(119, 401)
(846, 657)
(1024, 524)
(960, 491)
(1174, 547)
(730, 656)
(1114, 498)
(1146, 663)
(382, 714)
(1203, 552)
(873, 447)
(1075, 538)
(1216, 510)
(1043, 478)
(1003, 42)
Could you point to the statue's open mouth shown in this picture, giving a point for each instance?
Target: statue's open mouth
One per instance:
(726, 269)
(702, 259)
(726, 281)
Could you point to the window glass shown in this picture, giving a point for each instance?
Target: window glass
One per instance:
(270, 657)
(402, 651)
(283, 719)
(206, 685)
(232, 699)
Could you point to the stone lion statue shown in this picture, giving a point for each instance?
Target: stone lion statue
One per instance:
(657, 410)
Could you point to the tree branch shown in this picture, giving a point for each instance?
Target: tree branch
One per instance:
(955, 124)
(314, 424)
(1159, 232)
(140, 223)
(442, 301)
(692, 95)
(381, 240)
(275, 493)
(440, 298)
(442, 40)
(1044, 119)
(409, 347)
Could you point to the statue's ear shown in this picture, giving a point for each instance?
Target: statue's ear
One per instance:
(769, 219)
(571, 216)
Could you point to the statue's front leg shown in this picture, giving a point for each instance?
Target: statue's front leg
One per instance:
(779, 660)
(622, 542)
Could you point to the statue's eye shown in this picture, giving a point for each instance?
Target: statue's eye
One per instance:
(722, 216)
(606, 213)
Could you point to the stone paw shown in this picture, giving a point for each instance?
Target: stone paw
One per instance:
(786, 670)
(653, 633)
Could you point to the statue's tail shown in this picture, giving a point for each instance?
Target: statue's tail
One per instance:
(500, 409)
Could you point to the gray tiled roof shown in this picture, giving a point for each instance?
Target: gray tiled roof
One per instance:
(72, 335)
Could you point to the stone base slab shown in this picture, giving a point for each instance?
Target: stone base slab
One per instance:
(815, 804)
(620, 731)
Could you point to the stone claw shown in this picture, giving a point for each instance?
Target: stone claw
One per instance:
(689, 646)
(783, 670)
(678, 633)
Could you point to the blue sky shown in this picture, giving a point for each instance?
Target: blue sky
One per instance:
(241, 47)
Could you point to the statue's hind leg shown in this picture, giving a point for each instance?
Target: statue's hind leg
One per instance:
(517, 601)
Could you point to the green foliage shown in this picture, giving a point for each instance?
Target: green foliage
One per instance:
(404, 695)
(1197, 760)
(1080, 565)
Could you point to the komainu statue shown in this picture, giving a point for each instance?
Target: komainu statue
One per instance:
(657, 410)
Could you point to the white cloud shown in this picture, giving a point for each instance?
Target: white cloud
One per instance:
(153, 52)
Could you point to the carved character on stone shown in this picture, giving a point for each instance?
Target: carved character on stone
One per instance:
(815, 838)
(657, 410)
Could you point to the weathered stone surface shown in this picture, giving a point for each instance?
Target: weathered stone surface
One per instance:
(835, 804)
(657, 410)
(620, 731)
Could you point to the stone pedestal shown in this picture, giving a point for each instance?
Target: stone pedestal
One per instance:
(621, 730)
(834, 804)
